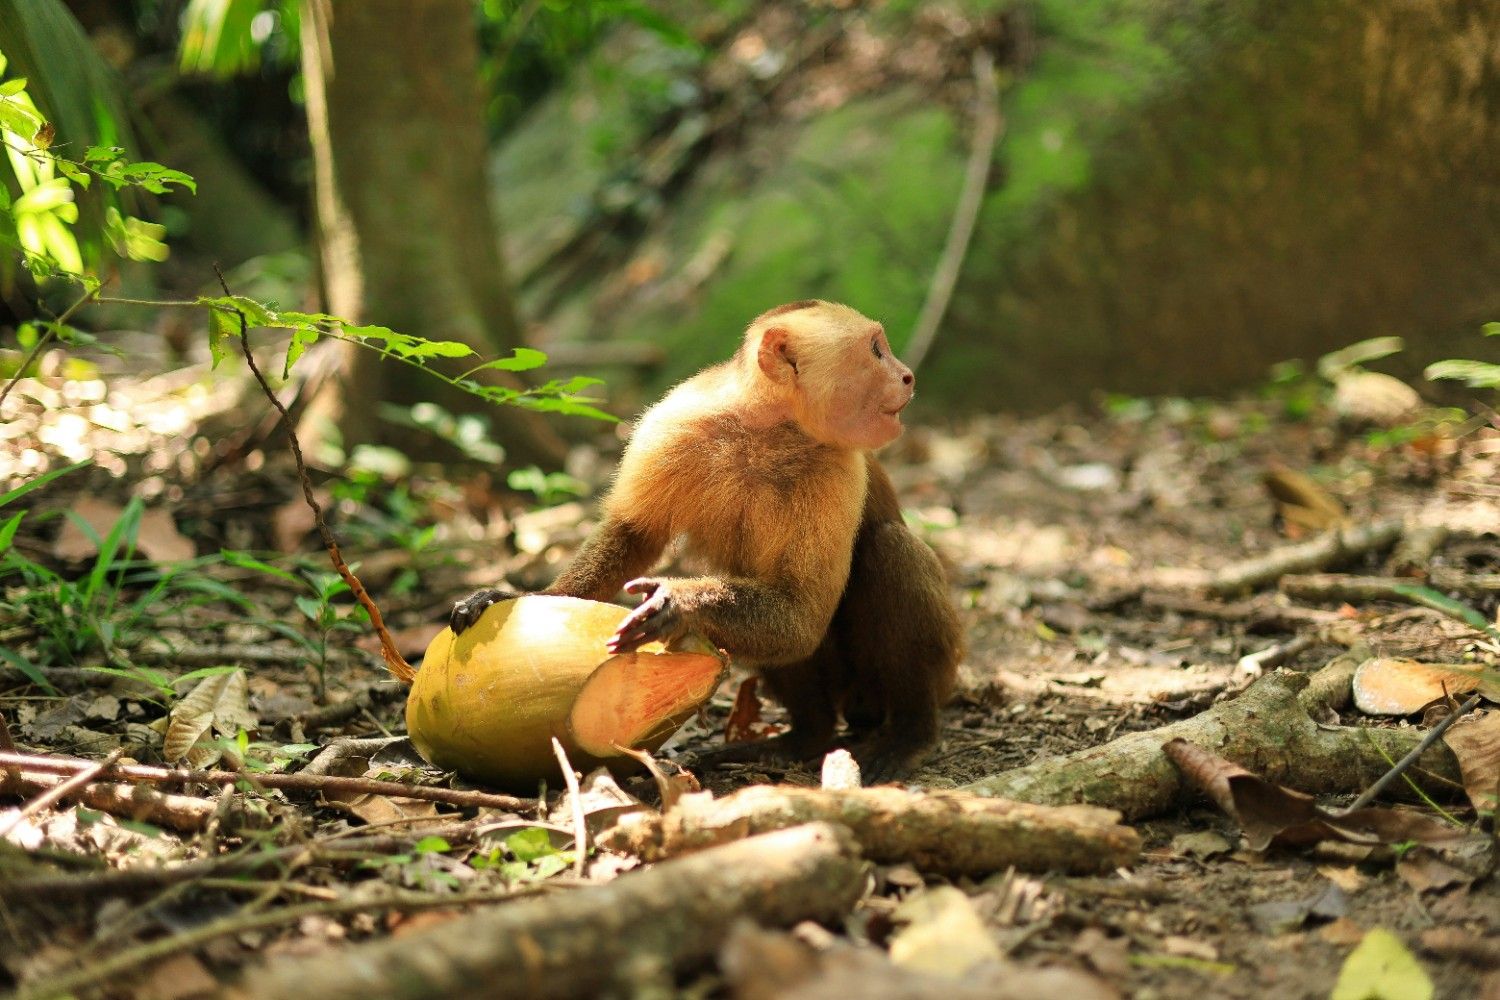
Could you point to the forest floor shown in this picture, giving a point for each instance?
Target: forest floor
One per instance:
(1078, 542)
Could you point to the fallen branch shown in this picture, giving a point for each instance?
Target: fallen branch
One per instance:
(57, 792)
(138, 773)
(1266, 729)
(1338, 545)
(1473, 584)
(1345, 588)
(944, 832)
(644, 925)
(239, 923)
(183, 813)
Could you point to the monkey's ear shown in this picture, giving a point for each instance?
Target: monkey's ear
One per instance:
(775, 356)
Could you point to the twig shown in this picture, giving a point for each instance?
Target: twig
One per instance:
(138, 773)
(44, 339)
(965, 213)
(1406, 762)
(7, 744)
(1255, 664)
(1340, 543)
(238, 923)
(393, 659)
(58, 791)
(580, 825)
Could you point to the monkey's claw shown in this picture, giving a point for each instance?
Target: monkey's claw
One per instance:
(656, 619)
(467, 611)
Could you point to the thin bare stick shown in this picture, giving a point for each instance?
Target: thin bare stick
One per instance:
(393, 659)
(59, 791)
(45, 339)
(965, 214)
(7, 744)
(141, 774)
(1411, 758)
(580, 825)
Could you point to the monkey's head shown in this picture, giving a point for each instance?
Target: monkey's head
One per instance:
(833, 370)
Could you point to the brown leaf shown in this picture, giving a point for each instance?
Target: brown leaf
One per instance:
(219, 703)
(1424, 871)
(73, 544)
(1304, 506)
(1392, 686)
(159, 540)
(942, 936)
(1476, 744)
(744, 718)
(1269, 813)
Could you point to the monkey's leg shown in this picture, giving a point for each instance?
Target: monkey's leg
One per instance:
(901, 639)
(803, 689)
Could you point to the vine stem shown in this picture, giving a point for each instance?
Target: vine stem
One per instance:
(46, 338)
(394, 661)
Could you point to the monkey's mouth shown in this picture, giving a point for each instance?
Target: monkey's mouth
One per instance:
(897, 411)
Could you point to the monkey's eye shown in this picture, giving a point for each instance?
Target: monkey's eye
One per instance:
(875, 347)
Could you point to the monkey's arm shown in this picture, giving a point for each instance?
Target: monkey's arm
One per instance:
(766, 621)
(617, 551)
(614, 553)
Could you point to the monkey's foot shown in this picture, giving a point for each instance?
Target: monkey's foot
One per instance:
(786, 748)
(467, 611)
(882, 760)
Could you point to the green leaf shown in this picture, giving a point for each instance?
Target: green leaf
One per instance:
(18, 118)
(406, 346)
(221, 326)
(1380, 968)
(530, 844)
(521, 360)
(40, 481)
(432, 845)
(12, 87)
(1491, 329)
(1474, 374)
(73, 172)
(29, 670)
(1342, 360)
(1438, 601)
(8, 531)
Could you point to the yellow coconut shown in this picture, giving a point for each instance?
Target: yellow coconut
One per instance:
(487, 703)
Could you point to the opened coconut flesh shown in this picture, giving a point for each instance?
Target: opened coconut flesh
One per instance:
(488, 702)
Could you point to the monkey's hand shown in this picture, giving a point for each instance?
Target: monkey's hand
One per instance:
(467, 611)
(658, 618)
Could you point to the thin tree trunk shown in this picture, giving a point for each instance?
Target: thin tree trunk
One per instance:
(408, 239)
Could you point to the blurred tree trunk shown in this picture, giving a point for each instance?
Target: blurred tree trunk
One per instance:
(407, 236)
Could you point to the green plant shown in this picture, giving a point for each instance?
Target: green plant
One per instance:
(549, 488)
(525, 856)
(418, 867)
(105, 608)
(323, 616)
(1474, 374)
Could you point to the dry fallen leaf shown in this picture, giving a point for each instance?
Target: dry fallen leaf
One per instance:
(1382, 969)
(1476, 744)
(1392, 686)
(1303, 505)
(1373, 398)
(1271, 814)
(218, 705)
(744, 718)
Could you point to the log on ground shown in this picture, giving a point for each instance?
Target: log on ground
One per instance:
(1266, 729)
(639, 928)
(949, 833)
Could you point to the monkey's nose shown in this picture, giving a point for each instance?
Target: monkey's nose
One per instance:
(908, 379)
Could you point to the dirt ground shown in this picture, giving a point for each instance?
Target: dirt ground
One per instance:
(1072, 539)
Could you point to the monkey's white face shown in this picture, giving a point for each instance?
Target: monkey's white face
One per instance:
(835, 370)
(857, 389)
